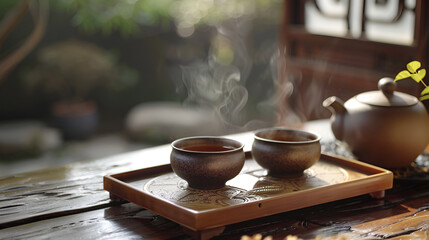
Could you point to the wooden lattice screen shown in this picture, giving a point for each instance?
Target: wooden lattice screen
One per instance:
(350, 60)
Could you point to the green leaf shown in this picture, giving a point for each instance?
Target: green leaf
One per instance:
(422, 73)
(402, 75)
(419, 75)
(416, 77)
(425, 97)
(413, 66)
(425, 91)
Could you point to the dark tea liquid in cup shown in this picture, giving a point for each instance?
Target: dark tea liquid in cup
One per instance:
(207, 162)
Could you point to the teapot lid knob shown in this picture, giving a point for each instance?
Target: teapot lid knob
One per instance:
(387, 86)
(387, 96)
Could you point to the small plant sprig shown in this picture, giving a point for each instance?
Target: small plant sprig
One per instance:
(416, 74)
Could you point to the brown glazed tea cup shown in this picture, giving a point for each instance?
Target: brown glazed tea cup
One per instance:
(285, 151)
(207, 162)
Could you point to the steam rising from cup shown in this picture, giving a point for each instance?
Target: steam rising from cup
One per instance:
(219, 82)
(215, 86)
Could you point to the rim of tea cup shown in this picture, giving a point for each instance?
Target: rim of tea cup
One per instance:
(239, 144)
(316, 136)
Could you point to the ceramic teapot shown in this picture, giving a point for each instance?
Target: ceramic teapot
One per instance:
(386, 128)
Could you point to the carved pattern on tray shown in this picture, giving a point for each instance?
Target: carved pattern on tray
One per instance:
(252, 184)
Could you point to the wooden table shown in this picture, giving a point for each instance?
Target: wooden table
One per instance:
(69, 202)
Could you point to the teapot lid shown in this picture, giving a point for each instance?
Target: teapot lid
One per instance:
(387, 97)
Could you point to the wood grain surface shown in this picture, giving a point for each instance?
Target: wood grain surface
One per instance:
(69, 203)
(395, 217)
(68, 189)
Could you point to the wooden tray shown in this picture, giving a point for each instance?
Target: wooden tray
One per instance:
(251, 194)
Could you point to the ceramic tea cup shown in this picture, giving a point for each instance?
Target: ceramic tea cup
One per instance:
(207, 162)
(285, 151)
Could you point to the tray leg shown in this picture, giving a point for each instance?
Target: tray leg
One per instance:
(204, 234)
(115, 198)
(378, 195)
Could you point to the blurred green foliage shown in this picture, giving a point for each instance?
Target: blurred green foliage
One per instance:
(6, 5)
(127, 16)
(70, 70)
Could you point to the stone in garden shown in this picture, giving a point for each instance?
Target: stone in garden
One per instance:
(26, 138)
(165, 122)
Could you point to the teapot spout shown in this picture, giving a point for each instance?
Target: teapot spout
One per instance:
(336, 106)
